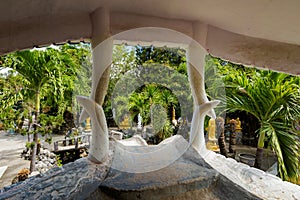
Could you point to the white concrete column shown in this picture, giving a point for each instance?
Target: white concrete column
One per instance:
(197, 139)
(200, 31)
(196, 53)
(98, 151)
(102, 46)
(196, 65)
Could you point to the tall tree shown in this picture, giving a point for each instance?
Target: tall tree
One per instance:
(40, 68)
(123, 60)
(12, 101)
(173, 57)
(273, 98)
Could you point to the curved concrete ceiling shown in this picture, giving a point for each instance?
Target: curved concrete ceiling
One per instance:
(232, 26)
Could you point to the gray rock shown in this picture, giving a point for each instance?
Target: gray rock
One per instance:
(189, 177)
(52, 155)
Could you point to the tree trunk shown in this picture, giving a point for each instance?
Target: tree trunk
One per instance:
(260, 150)
(35, 135)
(232, 141)
(221, 139)
(259, 157)
(20, 125)
(33, 154)
(28, 136)
(29, 126)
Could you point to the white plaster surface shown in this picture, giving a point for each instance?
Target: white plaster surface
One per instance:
(2, 170)
(100, 140)
(135, 140)
(133, 157)
(263, 34)
(264, 185)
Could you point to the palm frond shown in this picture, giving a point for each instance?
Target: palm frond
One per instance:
(286, 147)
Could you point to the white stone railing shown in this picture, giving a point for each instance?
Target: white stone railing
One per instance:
(259, 183)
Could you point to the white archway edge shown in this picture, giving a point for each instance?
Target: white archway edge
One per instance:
(102, 50)
(252, 180)
(102, 55)
(197, 130)
(100, 143)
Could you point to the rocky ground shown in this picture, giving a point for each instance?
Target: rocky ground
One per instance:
(11, 147)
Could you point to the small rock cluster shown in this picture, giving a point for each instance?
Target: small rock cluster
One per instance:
(45, 161)
(75, 180)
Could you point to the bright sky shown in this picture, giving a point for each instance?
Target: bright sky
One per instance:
(4, 70)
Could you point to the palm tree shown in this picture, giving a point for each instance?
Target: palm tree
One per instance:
(167, 99)
(39, 68)
(150, 91)
(139, 104)
(273, 98)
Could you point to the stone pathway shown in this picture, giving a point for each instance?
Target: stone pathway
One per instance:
(11, 147)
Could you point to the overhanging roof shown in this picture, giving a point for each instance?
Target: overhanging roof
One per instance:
(265, 33)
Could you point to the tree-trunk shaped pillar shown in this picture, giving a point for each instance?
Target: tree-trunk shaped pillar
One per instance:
(221, 139)
(102, 46)
(232, 141)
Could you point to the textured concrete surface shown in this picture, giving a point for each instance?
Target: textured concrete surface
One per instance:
(189, 177)
(76, 180)
(264, 185)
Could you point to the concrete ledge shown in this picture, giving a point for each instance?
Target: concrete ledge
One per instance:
(255, 181)
(189, 177)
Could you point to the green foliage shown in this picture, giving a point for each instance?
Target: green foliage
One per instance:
(47, 82)
(123, 60)
(172, 57)
(159, 117)
(49, 123)
(59, 161)
(52, 72)
(162, 126)
(146, 77)
(142, 100)
(79, 83)
(29, 145)
(12, 107)
(273, 98)
(48, 140)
